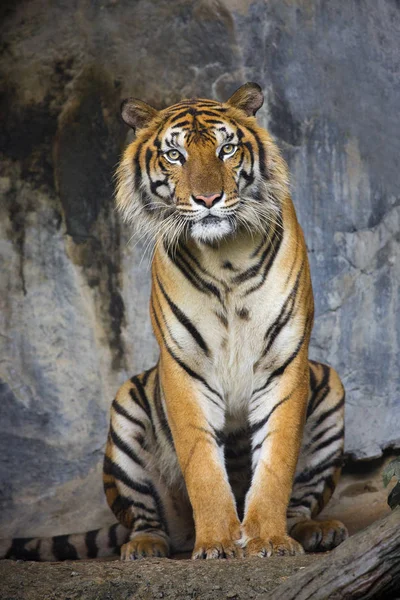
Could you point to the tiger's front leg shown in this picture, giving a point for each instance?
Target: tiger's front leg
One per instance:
(277, 417)
(195, 411)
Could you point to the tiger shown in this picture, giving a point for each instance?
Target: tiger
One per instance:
(233, 443)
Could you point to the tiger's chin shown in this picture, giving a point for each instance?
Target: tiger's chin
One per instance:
(211, 229)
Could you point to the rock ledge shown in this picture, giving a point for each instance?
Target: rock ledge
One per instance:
(147, 579)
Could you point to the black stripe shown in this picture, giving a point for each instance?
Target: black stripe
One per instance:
(146, 518)
(284, 316)
(313, 381)
(284, 366)
(212, 400)
(254, 269)
(62, 549)
(300, 502)
(257, 426)
(147, 488)
(315, 484)
(218, 435)
(112, 536)
(160, 507)
(183, 123)
(325, 378)
(145, 527)
(90, 541)
(223, 318)
(199, 132)
(121, 411)
(220, 125)
(329, 463)
(198, 264)
(296, 235)
(319, 435)
(185, 321)
(146, 375)
(236, 453)
(325, 415)
(194, 112)
(146, 406)
(220, 109)
(121, 507)
(180, 362)
(277, 327)
(146, 201)
(271, 259)
(190, 101)
(261, 153)
(259, 247)
(123, 447)
(249, 177)
(318, 400)
(111, 468)
(228, 265)
(17, 550)
(186, 271)
(238, 436)
(330, 484)
(160, 411)
(122, 504)
(138, 170)
(153, 185)
(155, 297)
(333, 438)
(201, 284)
(316, 389)
(259, 446)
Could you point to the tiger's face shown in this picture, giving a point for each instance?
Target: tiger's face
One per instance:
(200, 169)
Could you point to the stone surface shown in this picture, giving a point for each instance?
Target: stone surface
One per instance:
(74, 288)
(149, 579)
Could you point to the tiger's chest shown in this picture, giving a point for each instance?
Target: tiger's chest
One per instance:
(239, 363)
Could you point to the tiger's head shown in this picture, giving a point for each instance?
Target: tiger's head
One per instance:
(200, 169)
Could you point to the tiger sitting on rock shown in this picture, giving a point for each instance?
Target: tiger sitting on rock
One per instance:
(233, 442)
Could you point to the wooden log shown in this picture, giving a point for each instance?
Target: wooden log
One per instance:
(366, 566)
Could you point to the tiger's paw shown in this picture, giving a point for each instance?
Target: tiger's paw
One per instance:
(145, 545)
(319, 536)
(276, 545)
(220, 549)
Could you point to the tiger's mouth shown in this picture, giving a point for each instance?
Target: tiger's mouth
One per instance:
(210, 220)
(211, 228)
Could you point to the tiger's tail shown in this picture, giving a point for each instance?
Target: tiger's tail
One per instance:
(91, 544)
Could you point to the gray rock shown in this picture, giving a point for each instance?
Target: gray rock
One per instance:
(74, 288)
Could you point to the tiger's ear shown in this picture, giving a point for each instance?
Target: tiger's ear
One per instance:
(136, 113)
(248, 97)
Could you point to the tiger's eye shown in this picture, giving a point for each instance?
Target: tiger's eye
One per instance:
(228, 149)
(173, 154)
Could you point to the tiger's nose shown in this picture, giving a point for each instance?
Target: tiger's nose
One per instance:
(208, 201)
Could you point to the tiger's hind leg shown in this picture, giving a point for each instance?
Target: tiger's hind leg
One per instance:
(319, 464)
(142, 479)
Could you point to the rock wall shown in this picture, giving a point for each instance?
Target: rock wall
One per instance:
(74, 318)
